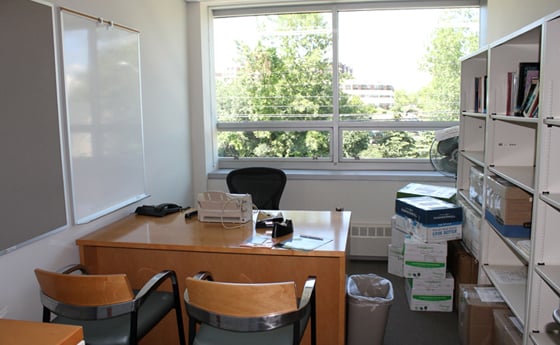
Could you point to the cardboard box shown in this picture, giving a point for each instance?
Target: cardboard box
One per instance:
(518, 231)
(462, 265)
(476, 319)
(430, 294)
(510, 204)
(395, 261)
(432, 233)
(476, 183)
(418, 189)
(427, 210)
(505, 331)
(415, 246)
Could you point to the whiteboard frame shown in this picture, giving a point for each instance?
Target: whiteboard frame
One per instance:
(81, 215)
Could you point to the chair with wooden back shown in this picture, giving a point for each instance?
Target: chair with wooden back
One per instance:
(223, 313)
(105, 305)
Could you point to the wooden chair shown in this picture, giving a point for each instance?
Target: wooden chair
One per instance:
(107, 308)
(234, 313)
(265, 185)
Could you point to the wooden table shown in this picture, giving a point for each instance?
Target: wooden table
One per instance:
(18, 332)
(141, 246)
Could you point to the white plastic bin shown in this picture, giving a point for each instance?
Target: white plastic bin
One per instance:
(369, 299)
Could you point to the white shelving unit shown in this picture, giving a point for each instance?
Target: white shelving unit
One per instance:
(525, 152)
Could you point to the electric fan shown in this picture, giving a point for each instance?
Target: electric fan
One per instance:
(444, 151)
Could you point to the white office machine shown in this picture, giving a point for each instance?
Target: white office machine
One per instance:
(220, 207)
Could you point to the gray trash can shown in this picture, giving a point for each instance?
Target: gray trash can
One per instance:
(369, 298)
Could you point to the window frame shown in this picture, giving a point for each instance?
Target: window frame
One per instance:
(335, 126)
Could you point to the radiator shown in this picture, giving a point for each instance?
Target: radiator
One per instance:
(369, 240)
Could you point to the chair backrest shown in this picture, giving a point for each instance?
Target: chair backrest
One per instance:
(85, 290)
(265, 185)
(259, 309)
(243, 300)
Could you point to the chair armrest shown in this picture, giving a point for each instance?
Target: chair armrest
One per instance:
(308, 293)
(72, 268)
(154, 283)
(203, 275)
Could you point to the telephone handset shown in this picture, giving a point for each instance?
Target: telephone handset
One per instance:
(159, 210)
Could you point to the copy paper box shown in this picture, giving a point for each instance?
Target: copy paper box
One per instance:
(476, 182)
(424, 260)
(428, 233)
(472, 222)
(476, 321)
(428, 210)
(430, 294)
(395, 261)
(415, 246)
(418, 189)
(398, 233)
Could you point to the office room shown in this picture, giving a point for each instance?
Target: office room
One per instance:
(181, 140)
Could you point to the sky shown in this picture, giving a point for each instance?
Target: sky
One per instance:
(384, 46)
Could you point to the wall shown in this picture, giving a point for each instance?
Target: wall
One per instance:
(507, 16)
(163, 43)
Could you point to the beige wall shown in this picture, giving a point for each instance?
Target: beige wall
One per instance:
(507, 16)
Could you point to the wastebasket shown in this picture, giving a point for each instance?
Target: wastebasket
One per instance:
(369, 299)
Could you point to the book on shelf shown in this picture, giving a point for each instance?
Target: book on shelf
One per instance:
(528, 71)
(531, 102)
(512, 82)
(480, 83)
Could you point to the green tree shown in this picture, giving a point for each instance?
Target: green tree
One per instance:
(440, 99)
(283, 78)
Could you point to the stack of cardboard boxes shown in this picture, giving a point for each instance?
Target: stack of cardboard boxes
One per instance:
(425, 219)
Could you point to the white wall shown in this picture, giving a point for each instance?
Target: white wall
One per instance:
(507, 16)
(163, 41)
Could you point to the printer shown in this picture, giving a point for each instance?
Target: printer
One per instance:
(220, 207)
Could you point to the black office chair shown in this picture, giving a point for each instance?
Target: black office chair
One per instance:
(105, 305)
(265, 185)
(237, 313)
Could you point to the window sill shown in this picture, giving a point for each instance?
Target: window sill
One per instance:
(354, 175)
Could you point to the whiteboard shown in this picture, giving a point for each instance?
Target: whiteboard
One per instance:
(31, 176)
(101, 65)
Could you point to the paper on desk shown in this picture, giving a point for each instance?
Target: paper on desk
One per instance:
(259, 241)
(301, 243)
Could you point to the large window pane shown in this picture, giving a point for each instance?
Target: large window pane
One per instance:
(273, 68)
(403, 64)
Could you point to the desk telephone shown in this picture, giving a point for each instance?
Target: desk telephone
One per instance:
(159, 210)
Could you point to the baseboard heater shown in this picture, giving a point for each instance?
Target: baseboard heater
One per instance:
(369, 241)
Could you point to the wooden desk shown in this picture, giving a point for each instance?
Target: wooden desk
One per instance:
(140, 246)
(18, 332)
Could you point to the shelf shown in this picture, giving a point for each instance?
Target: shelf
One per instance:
(513, 291)
(511, 242)
(551, 199)
(477, 157)
(551, 275)
(522, 176)
(474, 114)
(519, 119)
(545, 339)
(552, 122)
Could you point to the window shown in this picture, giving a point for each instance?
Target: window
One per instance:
(351, 89)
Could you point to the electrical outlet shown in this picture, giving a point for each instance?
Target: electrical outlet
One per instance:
(3, 312)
